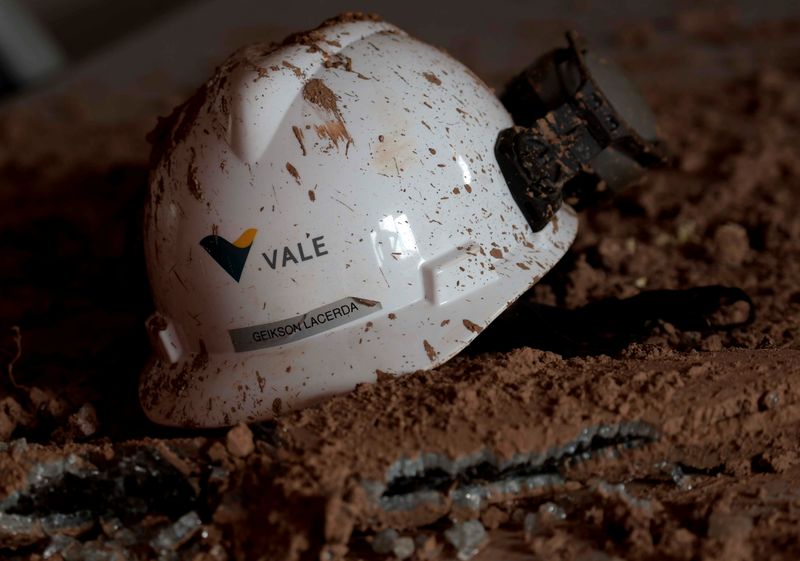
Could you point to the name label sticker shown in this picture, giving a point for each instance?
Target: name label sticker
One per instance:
(311, 323)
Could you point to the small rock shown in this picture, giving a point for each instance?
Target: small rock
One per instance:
(239, 441)
(676, 474)
(685, 231)
(732, 244)
(769, 400)
(620, 493)
(493, 517)
(57, 545)
(72, 524)
(217, 452)
(403, 547)
(427, 547)
(84, 421)
(712, 343)
(177, 534)
(384, 542)
(467, 538)
(552, 511)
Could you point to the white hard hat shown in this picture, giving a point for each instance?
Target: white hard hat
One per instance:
(325, 211)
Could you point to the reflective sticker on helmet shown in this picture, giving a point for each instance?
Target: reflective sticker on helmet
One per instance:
(311, 323)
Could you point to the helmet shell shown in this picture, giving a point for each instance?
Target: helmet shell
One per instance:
(323, 211)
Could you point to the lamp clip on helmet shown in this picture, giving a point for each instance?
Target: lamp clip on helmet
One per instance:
(356, 201)
(571, 140)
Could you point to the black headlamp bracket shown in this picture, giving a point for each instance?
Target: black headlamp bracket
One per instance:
(567, 127)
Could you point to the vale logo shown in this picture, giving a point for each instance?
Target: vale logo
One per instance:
(230, 256)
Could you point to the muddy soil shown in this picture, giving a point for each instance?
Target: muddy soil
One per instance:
(680, 444)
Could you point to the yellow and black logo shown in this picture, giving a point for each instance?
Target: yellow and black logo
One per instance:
(230, 256)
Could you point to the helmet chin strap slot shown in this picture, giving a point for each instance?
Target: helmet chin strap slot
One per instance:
(577, 117)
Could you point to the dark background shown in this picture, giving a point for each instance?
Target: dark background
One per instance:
(152, 47)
